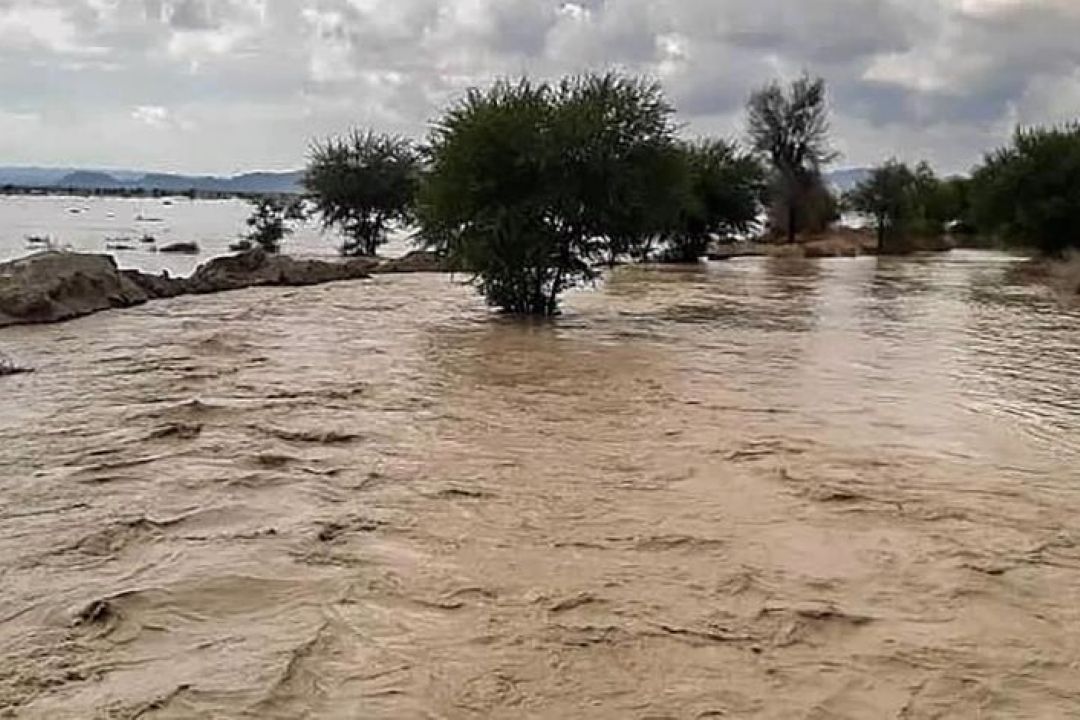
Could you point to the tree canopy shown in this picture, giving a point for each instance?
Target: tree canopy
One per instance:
(790, 128)
(1029, 192)
(270, 221)
(906, 204)
(888, 197)
(724, 193)
(361, 184)
(530, 184)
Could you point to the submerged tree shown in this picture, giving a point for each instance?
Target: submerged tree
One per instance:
(888, 196)
(530, 184)
(1029, 192)
(270, 221)
(624, 177)
(726, 188)
(790, 127)
(361, 184)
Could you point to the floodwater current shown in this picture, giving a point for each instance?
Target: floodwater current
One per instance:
(758, 489)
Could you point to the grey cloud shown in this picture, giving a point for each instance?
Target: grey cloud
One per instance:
(191, 15)
(249, 82)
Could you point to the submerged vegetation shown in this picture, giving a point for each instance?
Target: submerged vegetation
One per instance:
(531, 186)
(908, 205)
(1029, 192)
(790, 127)
(271, 221)
(362, 184)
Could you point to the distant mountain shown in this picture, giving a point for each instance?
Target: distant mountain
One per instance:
(89, 180)
(32, 176)
(260, 182)
(81, 179)
(844, 180)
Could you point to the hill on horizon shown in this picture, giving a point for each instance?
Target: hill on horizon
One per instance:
(252, 182)
(88, 179)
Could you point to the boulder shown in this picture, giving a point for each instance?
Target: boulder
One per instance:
(51, 286)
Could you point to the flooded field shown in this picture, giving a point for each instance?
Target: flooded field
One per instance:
(761, 489)
(97, 224)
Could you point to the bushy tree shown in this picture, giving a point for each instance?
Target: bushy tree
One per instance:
(362, 184)
(888, 197)
(907, 204)
(530, 184)
(270, 221)
(1029, 192)
(626, 179)
(724, 195)
(790, 127)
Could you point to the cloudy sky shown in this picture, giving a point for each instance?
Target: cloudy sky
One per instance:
(228, 85)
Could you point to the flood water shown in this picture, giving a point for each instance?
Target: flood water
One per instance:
(761, 489)
(93, 224)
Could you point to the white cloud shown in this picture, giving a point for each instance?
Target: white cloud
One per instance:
(153, 115)
(33, 27)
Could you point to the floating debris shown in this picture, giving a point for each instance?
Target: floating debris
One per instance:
(9, 367)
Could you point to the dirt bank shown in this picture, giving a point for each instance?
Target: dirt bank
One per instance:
(837, 242)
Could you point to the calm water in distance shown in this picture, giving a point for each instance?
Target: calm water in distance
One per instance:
(88, 224)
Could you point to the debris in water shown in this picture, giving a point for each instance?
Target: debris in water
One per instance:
(9, 367)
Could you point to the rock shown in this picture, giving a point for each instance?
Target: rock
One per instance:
(416, 261)
(256, 267)
(180, 248)
(52, 286)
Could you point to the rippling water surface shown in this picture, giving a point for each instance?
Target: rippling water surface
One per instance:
(765, 489)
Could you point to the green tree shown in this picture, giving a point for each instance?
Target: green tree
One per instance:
(888, 196)
(625, 177)
(1029, 192)
(270, 221)
(361, 184)
(726, 188)
(790, 127)
(530, 184)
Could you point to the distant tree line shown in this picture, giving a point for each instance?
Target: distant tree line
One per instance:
(1026, 194)
(125, 192)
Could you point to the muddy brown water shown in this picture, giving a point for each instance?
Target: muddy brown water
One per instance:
(762, 489)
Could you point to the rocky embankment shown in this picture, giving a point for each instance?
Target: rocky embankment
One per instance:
(54, 286)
